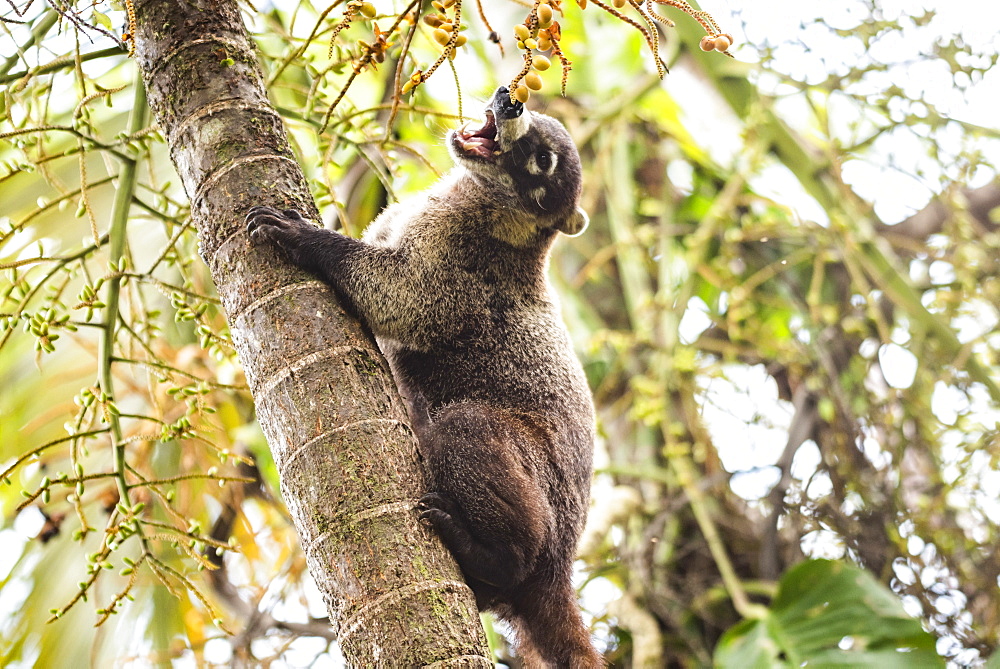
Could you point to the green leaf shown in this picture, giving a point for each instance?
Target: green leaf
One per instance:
(748, 645)
(829, 614)
(103, 20)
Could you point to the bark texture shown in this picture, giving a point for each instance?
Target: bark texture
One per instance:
(349, 467)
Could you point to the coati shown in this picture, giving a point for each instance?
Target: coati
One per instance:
(453, 285)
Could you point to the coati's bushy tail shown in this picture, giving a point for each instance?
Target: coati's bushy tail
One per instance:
(550, 631)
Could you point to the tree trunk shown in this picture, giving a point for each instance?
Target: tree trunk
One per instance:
(336, 426)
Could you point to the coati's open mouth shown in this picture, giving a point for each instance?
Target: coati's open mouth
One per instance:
(481, 143)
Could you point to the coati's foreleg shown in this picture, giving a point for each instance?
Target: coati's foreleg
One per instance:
(314, 249)
(367, 278)
(486, 502)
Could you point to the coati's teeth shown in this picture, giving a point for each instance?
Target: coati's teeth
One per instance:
(496, 153)
(469, 146)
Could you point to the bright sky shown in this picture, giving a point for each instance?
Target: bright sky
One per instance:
(895, 191)
(810, 51)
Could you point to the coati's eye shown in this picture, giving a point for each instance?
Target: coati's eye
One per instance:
(543, 160)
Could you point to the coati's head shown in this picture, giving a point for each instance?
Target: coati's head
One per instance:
(528, 156)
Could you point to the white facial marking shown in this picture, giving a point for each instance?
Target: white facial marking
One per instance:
(555, 161)
(537, 194)
(532, 166)
(516, 128)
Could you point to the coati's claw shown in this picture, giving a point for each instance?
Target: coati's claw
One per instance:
(435, 517)
(293, 214)
(440, 512)
(256, 213)
(435, 501)
(263, 223)
(258, 218)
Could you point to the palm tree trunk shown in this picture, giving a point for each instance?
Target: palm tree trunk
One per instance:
(337, 429)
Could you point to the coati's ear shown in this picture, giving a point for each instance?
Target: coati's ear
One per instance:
(574, 224)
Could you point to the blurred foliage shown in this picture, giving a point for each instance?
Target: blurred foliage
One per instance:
(829, 614)
(786, 363)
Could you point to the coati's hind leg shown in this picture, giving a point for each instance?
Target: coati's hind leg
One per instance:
(485, 499)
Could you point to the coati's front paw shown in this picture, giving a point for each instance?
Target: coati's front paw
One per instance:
(281, 227)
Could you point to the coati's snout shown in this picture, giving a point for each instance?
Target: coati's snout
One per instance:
(505, 123)
(503, 106)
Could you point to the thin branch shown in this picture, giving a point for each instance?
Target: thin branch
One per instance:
(116, 251)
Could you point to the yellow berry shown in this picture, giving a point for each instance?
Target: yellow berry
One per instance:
(407, 86)
(530, 43)
(544, 45)
(441, 37)
(540, 63)
(447, 26)
(544, 15)
(521, 32)
(533, 81)
(619, 3)
(438, 6)
(521, 93)
(368, 10)
(520, 45)
(462, 39)
(707, 43)
(433, 20)
(723, 42)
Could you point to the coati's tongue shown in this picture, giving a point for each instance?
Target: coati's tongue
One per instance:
(481, 142)
(478, 147)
